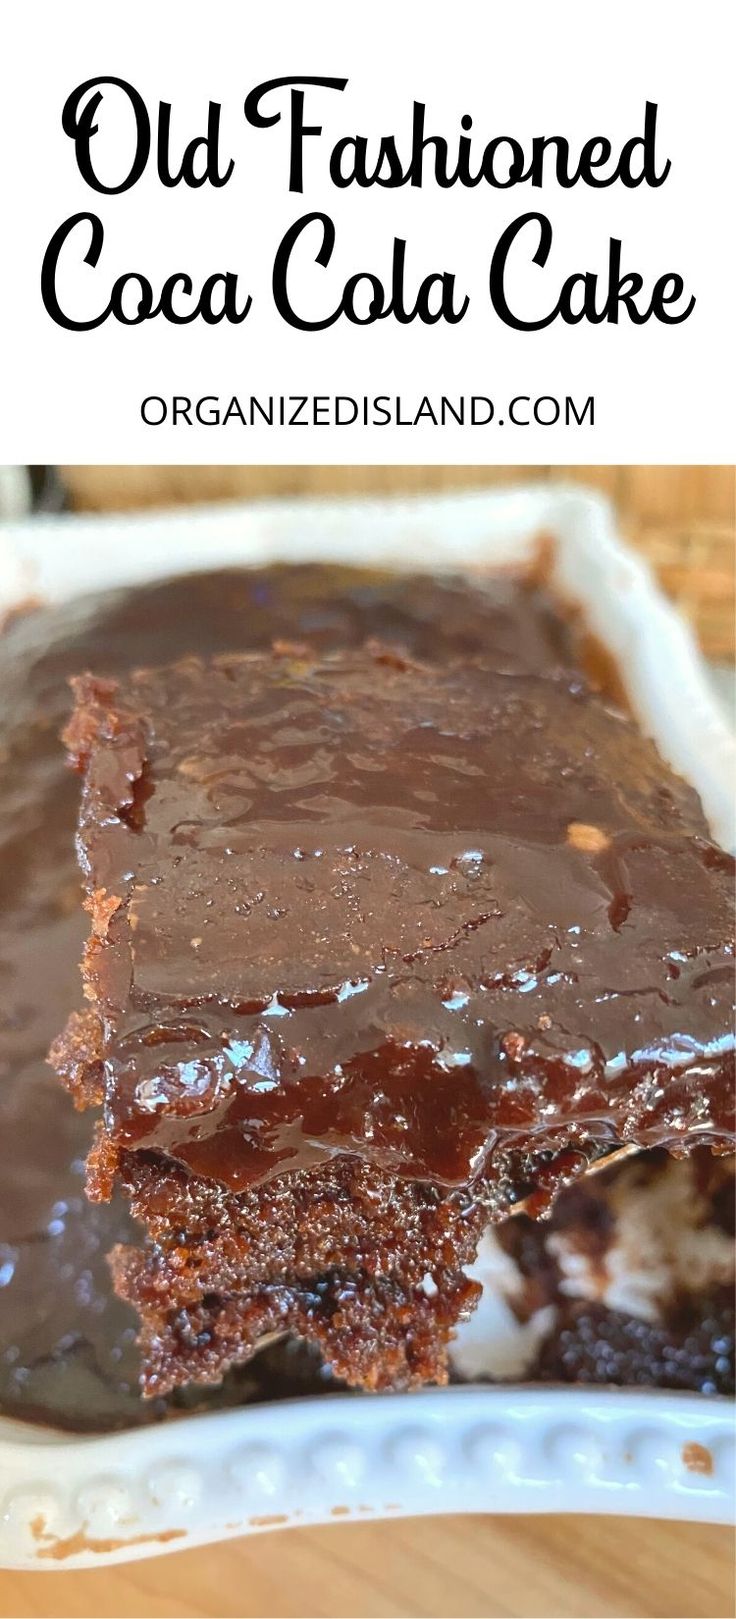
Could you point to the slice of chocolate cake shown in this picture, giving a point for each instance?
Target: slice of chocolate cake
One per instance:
(377, 948)
(67, 1351)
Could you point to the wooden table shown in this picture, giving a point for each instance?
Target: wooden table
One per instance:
(547, 1567)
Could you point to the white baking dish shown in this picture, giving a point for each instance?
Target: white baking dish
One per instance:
(79, 1502)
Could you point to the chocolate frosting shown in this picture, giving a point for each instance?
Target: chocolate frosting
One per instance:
(352, 903)
(67, 1349)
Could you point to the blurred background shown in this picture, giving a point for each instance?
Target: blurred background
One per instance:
(682, 518)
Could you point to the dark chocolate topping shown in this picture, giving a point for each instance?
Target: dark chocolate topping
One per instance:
(349, 903)
(67, 1353)
(67, 1350)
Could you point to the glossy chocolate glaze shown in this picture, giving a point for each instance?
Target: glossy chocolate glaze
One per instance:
(67, 1350)
(348, 903)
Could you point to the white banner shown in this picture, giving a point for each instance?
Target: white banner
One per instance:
(470, 233)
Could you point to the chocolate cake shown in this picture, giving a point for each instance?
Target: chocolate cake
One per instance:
(629, 1282)
(379, 946)
(68, 1353)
